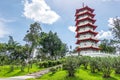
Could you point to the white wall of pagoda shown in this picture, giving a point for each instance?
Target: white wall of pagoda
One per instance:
(88, 43)
(87, 35)
(83, 23)
(85, 29)
(88, 51)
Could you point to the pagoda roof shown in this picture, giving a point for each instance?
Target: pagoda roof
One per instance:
(89, 47)
(84, 13)
(84, 8)
(90, 39)
(89, 31)
(87, 18)
(88, 24)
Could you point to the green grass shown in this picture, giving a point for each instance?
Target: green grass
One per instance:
(81, 74)
(5, 71)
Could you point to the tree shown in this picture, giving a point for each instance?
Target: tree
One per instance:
(63, 50)
(116, 28)
(71, 65)
(32, 39)
(11, 48)
(51, 45)
(106, 46)
(116, 32)
(32, 36)
(116, 65)
(3, 56)
(106, 66)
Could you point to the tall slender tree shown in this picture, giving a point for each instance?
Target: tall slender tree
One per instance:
(32, 38)
(116, 32)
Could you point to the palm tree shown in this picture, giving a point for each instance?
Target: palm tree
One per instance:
(11, 48)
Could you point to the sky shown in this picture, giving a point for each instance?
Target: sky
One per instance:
(55, 15)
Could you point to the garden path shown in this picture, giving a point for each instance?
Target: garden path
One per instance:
(33, 75)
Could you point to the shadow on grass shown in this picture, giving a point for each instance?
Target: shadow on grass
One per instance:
(10, 73)
(96, 74)
(72, 78)
(66, 77)
(110, 78)
(50, 74)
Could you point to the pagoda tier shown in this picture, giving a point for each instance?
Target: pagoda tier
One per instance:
(84, 8)
(84, 32)
(83, 14)
(84, 25)
(85, 19)
(89, 47)
(90, 39)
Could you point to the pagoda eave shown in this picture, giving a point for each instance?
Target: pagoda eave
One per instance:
(90, 47)
(90, 25)
(85, 13)
(91, 39)
(89, 31)
(87, 8)
(87, 18)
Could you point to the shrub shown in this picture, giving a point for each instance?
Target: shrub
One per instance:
(93, 65)
(116, 65)
(45, 64)
(53, 70)
(84, 60)
(71, 64)
(50, 63)
(106, 66)
(40, 64)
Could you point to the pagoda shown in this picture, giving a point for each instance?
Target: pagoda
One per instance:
(85, 30)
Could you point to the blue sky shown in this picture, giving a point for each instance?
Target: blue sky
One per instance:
(55, 15)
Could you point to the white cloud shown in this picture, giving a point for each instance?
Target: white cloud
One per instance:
(104, 35)
(72, 28)
(111, 21)
(3, 30)
(38, 10)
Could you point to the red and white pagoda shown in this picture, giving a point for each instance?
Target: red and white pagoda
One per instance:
(87, 43)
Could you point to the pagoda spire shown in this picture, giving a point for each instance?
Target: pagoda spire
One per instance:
(83, 5)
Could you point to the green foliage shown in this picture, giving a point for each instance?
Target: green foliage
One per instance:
(106, 46)
(53, 70)
(71, 64)
(84, 60)
(49, 63)
(52, 46)
(106, 66)
(93, 65)
(116, 29)
(116, 65)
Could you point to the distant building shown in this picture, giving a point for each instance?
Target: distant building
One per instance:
(85, 31)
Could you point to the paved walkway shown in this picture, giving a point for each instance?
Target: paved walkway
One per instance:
(33, 75)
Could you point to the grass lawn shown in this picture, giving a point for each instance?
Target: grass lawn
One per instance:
(5, 71)
(81, 74)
